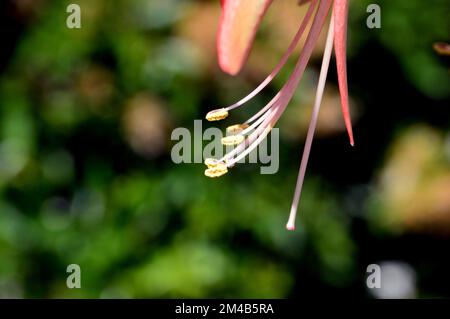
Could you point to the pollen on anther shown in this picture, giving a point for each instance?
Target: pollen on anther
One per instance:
(216, 171)
(215, 168)
(217, 115)
(212, 162)
(232, 140)
(236, 129)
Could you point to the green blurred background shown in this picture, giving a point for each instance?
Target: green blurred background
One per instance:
(86, 175)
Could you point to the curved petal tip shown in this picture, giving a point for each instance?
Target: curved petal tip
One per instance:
(238, 25)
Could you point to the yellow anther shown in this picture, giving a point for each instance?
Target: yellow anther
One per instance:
(236, 129)
(217, 171)
(212, 162)
(232, 140)
(217, 115)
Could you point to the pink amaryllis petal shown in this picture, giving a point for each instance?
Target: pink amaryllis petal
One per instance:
(238, 24)
(340, 48)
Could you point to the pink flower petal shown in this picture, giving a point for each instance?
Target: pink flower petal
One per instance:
(340, 49)
(238, 25)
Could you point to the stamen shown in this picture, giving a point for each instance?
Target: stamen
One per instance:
(251, 138)
(312, 125)
(212, 162)
(232, 140)
(216, 171)
(281, 100)
(220, 114)
(264, 109)
(259, 121)
(252, 146)
(217, 115)
(236, 129)
(442, 48)
(283, 60)
(268, 116)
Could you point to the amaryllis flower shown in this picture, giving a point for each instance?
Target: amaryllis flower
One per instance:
(239, 22)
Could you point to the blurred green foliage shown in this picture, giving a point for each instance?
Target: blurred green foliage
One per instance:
(409, 30)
